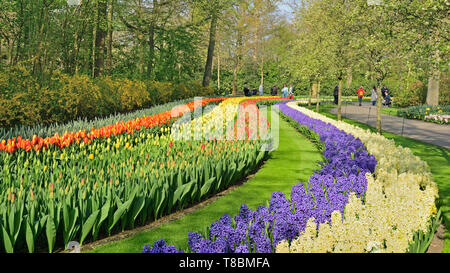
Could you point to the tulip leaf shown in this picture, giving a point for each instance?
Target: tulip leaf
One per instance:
(30, 237)
(7, 241)
(88, 225)
(207, 186)
(51, 233)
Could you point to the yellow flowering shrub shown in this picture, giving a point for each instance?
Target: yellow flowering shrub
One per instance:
(398, 203)
(19, 93)
(69, 97)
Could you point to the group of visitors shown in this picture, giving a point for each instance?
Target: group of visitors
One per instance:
(387, 101)
(286, 92)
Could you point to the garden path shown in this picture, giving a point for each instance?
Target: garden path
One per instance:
(428, 132)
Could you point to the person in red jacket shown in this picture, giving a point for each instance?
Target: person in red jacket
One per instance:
(360, 93)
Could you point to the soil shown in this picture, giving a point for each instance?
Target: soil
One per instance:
(437, 245)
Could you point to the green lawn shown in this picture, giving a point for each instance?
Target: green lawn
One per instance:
(438, 158)
(391, 111)
(293, 162)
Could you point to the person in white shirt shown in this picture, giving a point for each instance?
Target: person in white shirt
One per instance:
(374, 96)
(261, 90)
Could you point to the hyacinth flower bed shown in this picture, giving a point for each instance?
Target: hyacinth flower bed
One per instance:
(328, 190)
(97, 187)
(382, 213)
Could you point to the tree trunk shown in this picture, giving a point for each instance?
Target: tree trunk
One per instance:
(310, 96)
(218, 70)
(318, 97)
(76, 45)
(94, 39)
(10, 51)
(262, 69)
(379, 106)
(37, 65)
(235, 92)
(349, 77)
(339, 112)
(100, 39)
(212, 44)
(151, 41)
(433, 89)
(110, 38)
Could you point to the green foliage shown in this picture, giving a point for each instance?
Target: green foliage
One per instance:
(23, 101)
(415, 94)
(67, 195)
(421, 241)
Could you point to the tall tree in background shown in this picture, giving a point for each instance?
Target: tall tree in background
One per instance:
(100, 38)
(428, 26)
(312, 61)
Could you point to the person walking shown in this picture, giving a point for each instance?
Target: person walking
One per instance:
(285, 91)
(384, 91)
(374, 96)
(274, 91)
(261, 90)
(246, 90)
(336, 94)
(360, 94)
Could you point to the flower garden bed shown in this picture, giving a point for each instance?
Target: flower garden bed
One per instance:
(82, 186)
(348, 206)
(369, 195)
(436, 114)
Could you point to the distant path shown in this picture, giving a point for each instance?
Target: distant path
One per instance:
(420, 130)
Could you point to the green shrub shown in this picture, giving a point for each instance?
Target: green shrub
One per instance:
(19, 97)
(68, 97)
(415, 94)
(23, 101)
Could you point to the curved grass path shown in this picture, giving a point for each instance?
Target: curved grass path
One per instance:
(295, 161)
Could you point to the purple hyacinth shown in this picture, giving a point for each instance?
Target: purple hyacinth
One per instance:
(160, 247)
(346, 163)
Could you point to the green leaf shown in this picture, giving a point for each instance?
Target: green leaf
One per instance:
(29, 235)
(51, 233)
(119, 213)
(162, 197)
(207, 186)
(136, 209)
(104, 214)
(7, 241)
(87, 226)
(186, 190)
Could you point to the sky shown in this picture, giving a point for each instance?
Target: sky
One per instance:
(286, 9)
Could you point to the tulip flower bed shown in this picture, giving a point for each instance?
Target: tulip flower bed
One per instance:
(112, 180)
(342, 209)
(130, 127)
